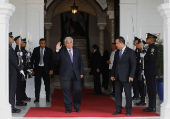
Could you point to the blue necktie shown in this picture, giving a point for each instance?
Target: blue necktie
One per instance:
(120, 54)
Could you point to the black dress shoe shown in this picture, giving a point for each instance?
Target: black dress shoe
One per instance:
(26, 99)
(112, 94)
(94, 93)
(128, 113)
(99, 93)
(47, 100)
(141, 103)
(36, 100)
(16, 110)
(21, 104)
(78, 110)
(117, 112)
(134, 98)
(149, 109)
(68, 111)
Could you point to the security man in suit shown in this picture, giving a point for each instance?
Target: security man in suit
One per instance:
(19, 96)
(123, 72)
(42, 65)
(23, 50)
(95, 66)
(14, 70)
(135, 82)
(151, 72)
(140, 78)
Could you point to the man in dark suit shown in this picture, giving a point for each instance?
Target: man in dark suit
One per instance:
(95, 66)
(123, 72)
(42, 65)
(151, 71)
(14, 70)
(70, 74)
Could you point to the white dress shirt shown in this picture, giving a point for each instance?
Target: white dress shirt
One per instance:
(112, 59)
(71, 51)
(123, 49)
(67, 50)
(43, 55)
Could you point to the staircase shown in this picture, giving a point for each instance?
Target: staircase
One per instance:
(81, 44)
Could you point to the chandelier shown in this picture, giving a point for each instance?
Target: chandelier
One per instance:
(74, 8)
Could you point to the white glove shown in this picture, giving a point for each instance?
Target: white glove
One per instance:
(29, 71)
(28, 54)
(19, 53)
(143, 74)
(22, 72)
(142, 55)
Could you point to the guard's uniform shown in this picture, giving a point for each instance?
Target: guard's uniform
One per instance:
(140, 78)
(19, 95)
(135, 82)
(13, 72)
(150, 73)
(24, 96)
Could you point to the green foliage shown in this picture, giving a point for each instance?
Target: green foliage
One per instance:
(159, 62)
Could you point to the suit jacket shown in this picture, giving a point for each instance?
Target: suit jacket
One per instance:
(13, 62)
(95, 62)
(125, 67)
(47, 59)
(66, 66)
(150, 61)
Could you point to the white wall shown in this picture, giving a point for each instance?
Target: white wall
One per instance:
(29, 17)
(145, 17)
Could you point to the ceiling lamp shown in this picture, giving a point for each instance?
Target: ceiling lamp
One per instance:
(74, 8)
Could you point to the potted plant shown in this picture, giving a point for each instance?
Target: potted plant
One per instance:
(159, 63)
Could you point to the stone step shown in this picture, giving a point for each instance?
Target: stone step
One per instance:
(79, 40)
(77, 44)
(88, 78)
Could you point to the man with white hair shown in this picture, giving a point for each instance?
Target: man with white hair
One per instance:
(70, 74)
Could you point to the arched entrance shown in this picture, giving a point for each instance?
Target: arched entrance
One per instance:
(87, 6)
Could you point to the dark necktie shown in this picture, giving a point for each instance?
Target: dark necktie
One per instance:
(120, 54)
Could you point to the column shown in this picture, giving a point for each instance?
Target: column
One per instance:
(164, 10)
(47, 33)
(128, 12)
(35, 21)
(6, 11)
(111, 24)
(101, 37)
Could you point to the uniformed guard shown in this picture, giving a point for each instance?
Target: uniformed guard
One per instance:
(23, 50)
(139, 72)
(135, 82)
(19, 95)
(16, 39)
(151, 72)
(14, 70)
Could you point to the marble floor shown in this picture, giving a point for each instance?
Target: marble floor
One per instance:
(56, 84)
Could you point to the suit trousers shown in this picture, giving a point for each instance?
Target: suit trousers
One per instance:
(97, 83)
(105, 77)
(46, 78)
(24, 86)
(12, 88)
(151, 89)
(142, 90)
(19, 95)
(135, 87)
(118, 95)
(67, 87)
